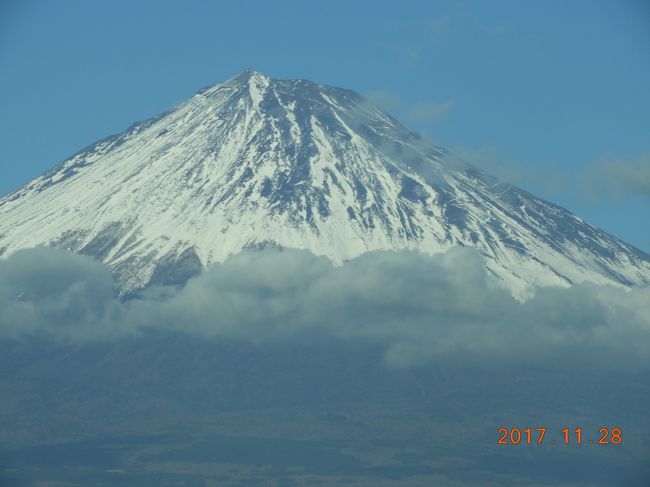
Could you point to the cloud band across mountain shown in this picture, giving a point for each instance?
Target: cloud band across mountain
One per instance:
(420, 308)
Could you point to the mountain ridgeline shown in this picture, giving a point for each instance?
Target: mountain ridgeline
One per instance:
(255, 162)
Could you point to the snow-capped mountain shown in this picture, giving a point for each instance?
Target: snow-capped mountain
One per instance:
(256, 161)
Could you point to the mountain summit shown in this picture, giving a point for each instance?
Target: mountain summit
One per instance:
(256, 161)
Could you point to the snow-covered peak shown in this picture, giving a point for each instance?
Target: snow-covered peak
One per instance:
(257, 161)
(248, 74)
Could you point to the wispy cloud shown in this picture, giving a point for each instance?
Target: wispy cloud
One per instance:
(427, 112)
(551, 178)
(598, 181)
(387, 100)
(424, 111)
(621, 176)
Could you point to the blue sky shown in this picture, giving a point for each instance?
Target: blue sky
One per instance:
(552, 95)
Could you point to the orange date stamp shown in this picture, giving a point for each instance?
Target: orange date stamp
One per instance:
(537, 436)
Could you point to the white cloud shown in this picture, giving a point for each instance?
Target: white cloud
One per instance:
(417, 307)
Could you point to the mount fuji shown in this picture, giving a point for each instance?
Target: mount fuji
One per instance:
(255, 162)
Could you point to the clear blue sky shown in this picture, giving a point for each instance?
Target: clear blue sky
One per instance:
(553, 95)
